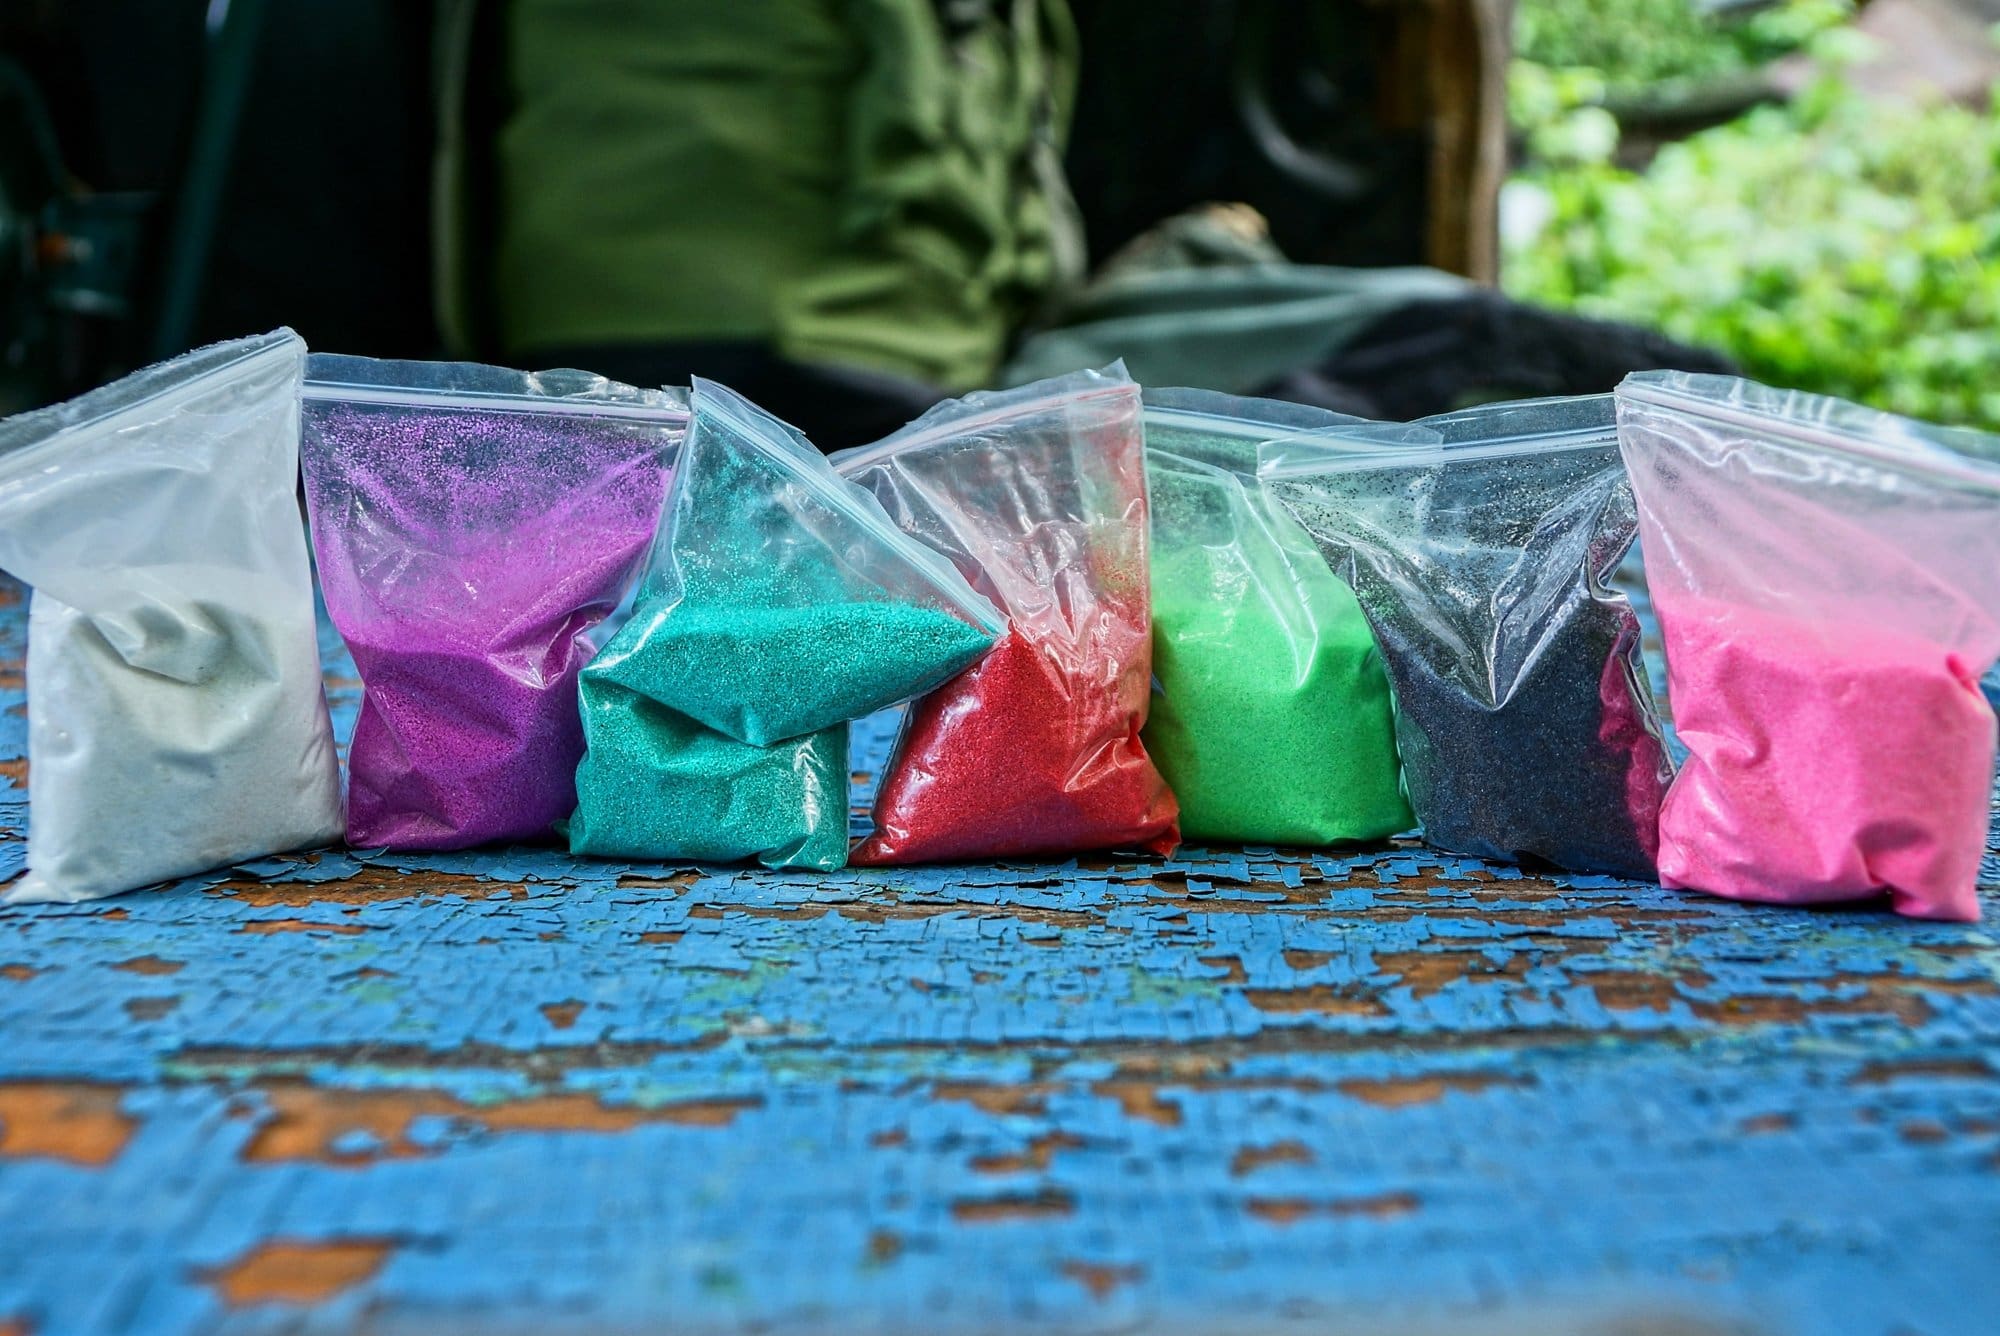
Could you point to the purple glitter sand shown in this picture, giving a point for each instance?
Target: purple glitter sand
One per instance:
(464, 556)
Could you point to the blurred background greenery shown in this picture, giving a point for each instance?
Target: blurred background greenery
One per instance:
(1734, 176)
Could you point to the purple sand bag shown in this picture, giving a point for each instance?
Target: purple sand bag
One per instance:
(472, 524)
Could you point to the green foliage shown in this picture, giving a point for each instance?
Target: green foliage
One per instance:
(1629, 42)
(1637, 43)
(1840, 244)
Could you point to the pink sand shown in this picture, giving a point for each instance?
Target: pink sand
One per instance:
(1828, 763)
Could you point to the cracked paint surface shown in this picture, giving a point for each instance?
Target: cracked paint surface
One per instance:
(1256, 1090)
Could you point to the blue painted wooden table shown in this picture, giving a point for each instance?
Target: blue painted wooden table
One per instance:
(1242, 1091)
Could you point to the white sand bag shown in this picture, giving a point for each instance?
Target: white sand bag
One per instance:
(176, 717)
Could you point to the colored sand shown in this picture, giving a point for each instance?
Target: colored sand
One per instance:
(453, 749)
(176, 720)
(1272, 723)
(464, 555)
(1826, 762)
(1565, 767)
(780, 599)
(1479, 549)
(1025, 753)
(655, 784)
(1037, 495)
(141, 776)
(762, 672)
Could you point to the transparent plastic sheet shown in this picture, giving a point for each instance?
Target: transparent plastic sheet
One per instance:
(472, 525)
(1827, 579)
(1037, 495)
(176, 719)
(779, 603)
(780, 599)
(1479, 544)
(1272, 723)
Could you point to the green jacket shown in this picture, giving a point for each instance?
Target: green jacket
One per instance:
(874, 183)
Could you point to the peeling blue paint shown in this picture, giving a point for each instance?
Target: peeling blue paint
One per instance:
(1246, 1087)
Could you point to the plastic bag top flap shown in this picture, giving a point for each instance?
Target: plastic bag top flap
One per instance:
(1811, 508)
(154, 392)
(1477, 507)
(485, 504)
(190, 464)
(1079, 395)
(833, 526)
(1516, 429)
(1959, 455)
(1014, 486)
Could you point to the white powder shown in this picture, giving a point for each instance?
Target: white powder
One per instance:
(207, 746)
(176, 720)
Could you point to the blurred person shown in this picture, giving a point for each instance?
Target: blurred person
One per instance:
(843, 208)
(848, 209)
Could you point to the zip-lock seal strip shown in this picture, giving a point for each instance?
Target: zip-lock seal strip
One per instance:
(328, 391)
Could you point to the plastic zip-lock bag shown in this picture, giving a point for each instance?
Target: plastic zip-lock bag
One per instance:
(780, 599)
(473, 524)
(1038, 496)
(1827, 579)
(1480, 544)
(176, 717)
(779, 603)
(1272, 722)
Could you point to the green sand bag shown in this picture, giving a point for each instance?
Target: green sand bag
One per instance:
(1273, 723)
(779, 602)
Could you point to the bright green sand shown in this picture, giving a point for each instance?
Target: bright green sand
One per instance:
(1273, 722)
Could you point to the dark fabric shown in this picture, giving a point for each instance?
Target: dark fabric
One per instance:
(1295, 109)
(323, 220)
(326, 223)
(1434, 356)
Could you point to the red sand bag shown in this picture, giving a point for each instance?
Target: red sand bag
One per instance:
(1038, 495)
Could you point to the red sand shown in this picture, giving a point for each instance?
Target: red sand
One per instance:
(1025, 754)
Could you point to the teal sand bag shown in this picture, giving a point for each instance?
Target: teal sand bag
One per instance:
(780, 601)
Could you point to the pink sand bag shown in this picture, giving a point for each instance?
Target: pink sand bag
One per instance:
(1828, 584)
